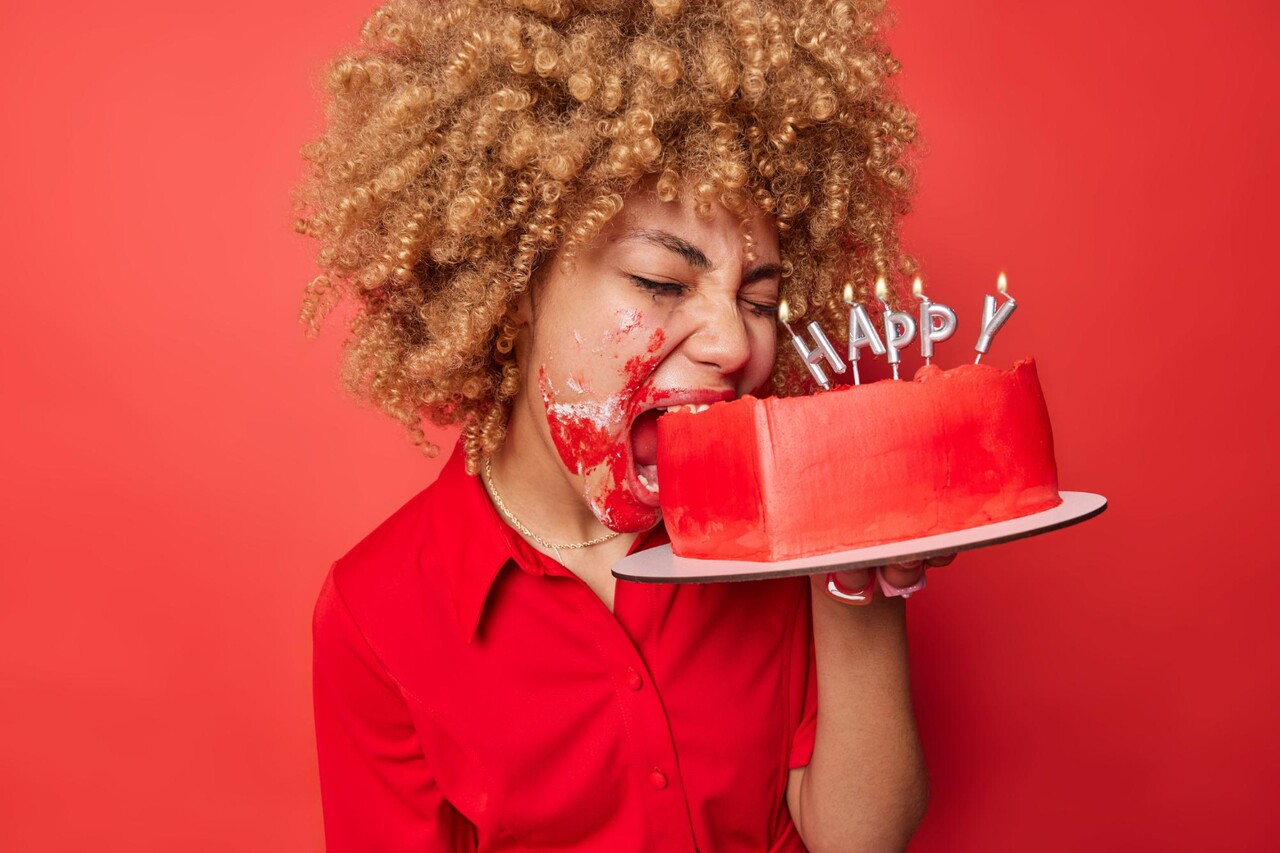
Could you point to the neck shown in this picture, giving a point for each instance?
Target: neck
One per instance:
(550, 532)
(535, 491)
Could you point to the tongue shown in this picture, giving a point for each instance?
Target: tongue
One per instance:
(644, 438)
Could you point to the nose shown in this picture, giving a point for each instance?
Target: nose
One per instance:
(720, 338)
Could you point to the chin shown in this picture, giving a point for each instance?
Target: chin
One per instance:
(619, 508)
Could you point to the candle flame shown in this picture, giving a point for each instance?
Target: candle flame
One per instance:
(848, 294)
(917, 287)
(882, 289)
(1002, 284)
(784, 314)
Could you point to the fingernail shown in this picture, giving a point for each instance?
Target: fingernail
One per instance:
(889, 590)
(848, 596)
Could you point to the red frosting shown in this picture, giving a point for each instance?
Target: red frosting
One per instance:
(784, 477)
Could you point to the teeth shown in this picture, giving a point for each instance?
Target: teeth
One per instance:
(704, 407)
(691, 408)
(644, 481)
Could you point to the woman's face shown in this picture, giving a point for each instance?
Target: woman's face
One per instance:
(662, 310)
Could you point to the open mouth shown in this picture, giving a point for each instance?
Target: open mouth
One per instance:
(644, 438)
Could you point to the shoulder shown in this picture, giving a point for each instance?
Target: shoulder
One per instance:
(389, 556)
(391, 548)
(380, 581)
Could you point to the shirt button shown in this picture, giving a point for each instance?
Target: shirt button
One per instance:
(634, 681)
(658, 778)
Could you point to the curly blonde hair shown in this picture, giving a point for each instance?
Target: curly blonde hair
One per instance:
(469, 140)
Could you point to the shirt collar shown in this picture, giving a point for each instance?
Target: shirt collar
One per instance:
(467, 541)
(472, 544)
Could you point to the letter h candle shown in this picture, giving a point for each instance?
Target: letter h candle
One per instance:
(815, 355)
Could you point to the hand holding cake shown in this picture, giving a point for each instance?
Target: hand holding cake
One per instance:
(857, 586)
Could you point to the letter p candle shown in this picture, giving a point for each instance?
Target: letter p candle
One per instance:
(931, 332)
(899, 328)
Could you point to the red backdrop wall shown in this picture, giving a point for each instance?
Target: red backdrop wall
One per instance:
(181, 465)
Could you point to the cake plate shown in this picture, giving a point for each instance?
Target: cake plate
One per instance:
(660, 565)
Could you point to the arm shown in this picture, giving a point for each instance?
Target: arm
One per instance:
(865, 787)
(376, 788)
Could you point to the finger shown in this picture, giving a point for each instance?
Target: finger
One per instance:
(894, 590)
(854, 578)
(845, 587)
(903, 574)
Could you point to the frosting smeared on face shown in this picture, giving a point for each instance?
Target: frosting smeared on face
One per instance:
(629, 319)
(592, 435)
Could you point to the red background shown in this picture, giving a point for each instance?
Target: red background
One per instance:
(180, 464)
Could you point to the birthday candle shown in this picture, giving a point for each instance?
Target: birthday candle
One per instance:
(992, 319)
(930, 311)
(899, 328)
(815, 355)
(862, 332)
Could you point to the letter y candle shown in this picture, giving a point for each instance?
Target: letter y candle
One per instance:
(992, 319)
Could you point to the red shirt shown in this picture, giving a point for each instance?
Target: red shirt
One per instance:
(473, 694)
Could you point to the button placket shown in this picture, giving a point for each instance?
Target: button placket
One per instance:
(649, 731)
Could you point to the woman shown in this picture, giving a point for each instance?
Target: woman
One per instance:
(556, 219)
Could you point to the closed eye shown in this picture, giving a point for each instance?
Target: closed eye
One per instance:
(662, 288)
(671, 288)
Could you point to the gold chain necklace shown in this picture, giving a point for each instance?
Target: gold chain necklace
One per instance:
(515, 522)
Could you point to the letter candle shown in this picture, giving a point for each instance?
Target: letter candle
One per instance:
(992, 319)
(812, 356)
(894, 340)
(931, 334)
(862, 332)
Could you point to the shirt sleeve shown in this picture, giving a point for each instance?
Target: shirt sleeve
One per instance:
(802, 742)
(376, 788)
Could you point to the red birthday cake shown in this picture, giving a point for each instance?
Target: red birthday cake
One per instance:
(785, 477)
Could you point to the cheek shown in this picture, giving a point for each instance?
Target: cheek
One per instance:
(584, 431)
(627, 321)
(589, 429)
(764, 350)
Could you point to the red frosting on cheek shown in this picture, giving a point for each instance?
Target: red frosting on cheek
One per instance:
(589, 433)
(647, 361)
(580, 432)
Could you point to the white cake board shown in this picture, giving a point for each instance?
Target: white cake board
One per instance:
(660, 565)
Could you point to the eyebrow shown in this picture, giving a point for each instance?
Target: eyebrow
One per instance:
(692, 255)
